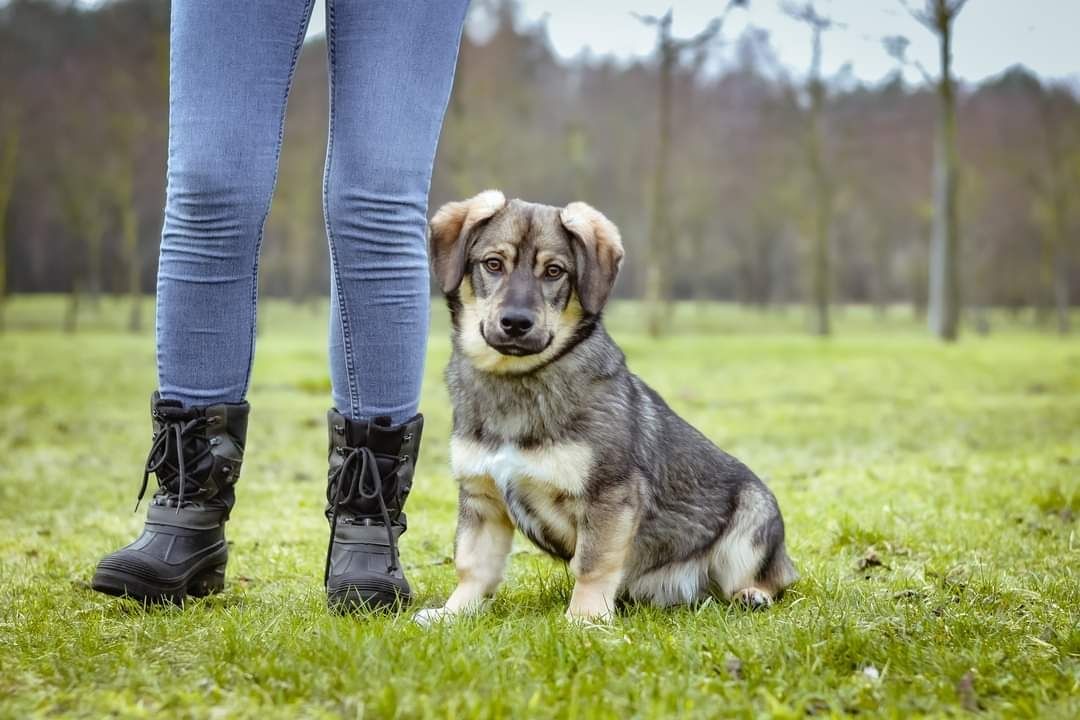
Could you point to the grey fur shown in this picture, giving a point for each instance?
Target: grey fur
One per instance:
(695, 506)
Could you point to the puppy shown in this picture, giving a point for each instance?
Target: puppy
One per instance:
(554, 436)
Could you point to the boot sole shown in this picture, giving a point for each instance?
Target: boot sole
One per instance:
(361, 596)
(204, 581)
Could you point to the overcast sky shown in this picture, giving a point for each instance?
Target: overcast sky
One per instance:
(991, 35)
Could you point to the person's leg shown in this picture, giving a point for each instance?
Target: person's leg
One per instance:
(231, 64)
(391, 68)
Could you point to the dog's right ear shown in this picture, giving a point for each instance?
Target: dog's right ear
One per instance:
(449, 235)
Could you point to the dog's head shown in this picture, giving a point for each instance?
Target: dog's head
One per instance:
(522, 279)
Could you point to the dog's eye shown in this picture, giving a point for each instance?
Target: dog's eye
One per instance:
(554, 272)
(493, 265)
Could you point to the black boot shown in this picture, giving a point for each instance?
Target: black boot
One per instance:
(371, 471)
(196, 455)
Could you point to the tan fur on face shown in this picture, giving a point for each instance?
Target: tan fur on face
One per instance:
(486, 358)
(461, 237)
(449, 230)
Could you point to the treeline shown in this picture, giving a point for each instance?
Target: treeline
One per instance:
(83, 130)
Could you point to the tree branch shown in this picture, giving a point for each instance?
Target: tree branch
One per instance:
(896, 47)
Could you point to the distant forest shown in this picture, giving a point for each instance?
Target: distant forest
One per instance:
(84, 116)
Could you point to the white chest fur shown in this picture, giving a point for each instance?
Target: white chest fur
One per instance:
(541, 487)
(557, 467)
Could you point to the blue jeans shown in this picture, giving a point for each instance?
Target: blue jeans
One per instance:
(391, 65)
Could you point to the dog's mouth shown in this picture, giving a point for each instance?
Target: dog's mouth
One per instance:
(517, 347)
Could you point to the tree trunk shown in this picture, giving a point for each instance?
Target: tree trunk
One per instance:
(71, 314)
(1061, 293)
(298, 238)
(820, 263)
(656, 280)
(1058, 189)
(944, 286)
(822, 192)
(129, 222)
(8, 155)
(701, 280)
(981, 316)
(94, 267)
(1061, 264)
(1044, 292)
(763, 251)
(881, 273)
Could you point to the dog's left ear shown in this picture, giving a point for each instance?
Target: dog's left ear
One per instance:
(448, 235)
(598, 253)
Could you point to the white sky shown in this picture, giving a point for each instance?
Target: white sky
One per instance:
(991, 35)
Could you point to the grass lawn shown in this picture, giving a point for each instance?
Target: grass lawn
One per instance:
(931, 495)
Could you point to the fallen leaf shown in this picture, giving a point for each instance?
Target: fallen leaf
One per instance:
(965, 690)
(908, 594)
(870, 559)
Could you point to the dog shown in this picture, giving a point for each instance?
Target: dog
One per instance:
(554, 436)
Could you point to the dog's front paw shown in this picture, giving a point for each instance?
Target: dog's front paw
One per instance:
(429, 616)
(446, 613)
(588, 616)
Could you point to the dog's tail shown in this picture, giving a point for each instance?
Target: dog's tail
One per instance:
(777, 571)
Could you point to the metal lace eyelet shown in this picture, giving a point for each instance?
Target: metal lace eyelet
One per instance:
(215, 441)
(339, 429)
(404, 458)
(407, 437)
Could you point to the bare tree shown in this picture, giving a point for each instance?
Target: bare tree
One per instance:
(822, 191)
(297, 221)
(125, 126)
(9, 148)
(658, 268)
(83, 214)
(551, 129)
(943, 314)
(1055, 189)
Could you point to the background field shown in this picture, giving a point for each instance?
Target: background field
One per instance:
(930, 491)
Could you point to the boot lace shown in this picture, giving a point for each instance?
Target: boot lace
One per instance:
(166, 458)
(358, 478)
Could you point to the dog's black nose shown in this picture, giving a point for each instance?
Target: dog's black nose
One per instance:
(516, 323)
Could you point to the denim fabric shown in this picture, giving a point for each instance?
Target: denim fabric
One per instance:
(391, 65)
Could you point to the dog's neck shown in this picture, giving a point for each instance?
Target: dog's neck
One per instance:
(544, 405)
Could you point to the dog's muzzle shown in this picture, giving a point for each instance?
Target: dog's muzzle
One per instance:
(516, 336)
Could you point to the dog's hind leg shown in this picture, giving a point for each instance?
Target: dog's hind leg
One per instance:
(750, 564)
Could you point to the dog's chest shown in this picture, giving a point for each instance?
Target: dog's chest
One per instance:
(541, 486)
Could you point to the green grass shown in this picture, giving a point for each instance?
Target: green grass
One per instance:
(931, 495)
